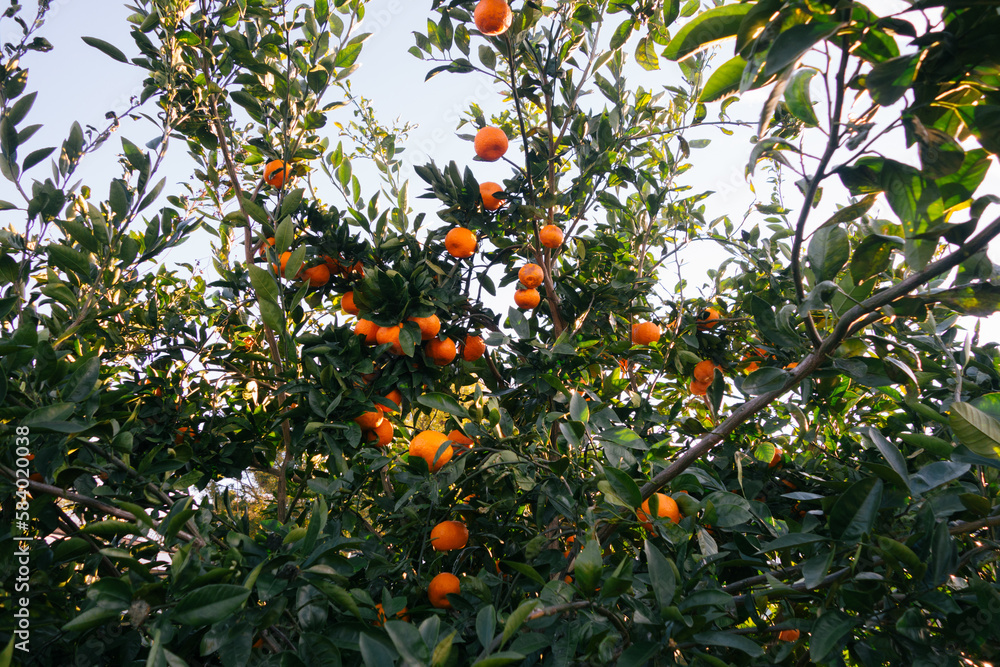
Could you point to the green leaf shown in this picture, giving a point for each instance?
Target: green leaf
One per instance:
(526, 570)
(827, 632)
(978, 300)
(284, 235)
(936, 474)
(791, 540)
(797, 97)
(84, 381)
(578, 409)
(106, 48)
(621, 34)
(853, 515)
(829, 250)
(663, 576)
(7, 655)
(91, 619)
(975, 429)
(764, 380)
(255, 211)
(408, 641)
(852, 212)
(623, 486)
(499, 659)
(444, 403)
(709, 27)
(264, 284)
(725, 80)
(589, 566)
(374, 652)
(871, 257)
(517, 619)
(645, 54)
(486, 625)
(795, 42)
(737, 642)
(888, 81)
(49, 413)
(209, 604)
(891, 454)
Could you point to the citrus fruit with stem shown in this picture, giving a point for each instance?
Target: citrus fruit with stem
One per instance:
(708, 319)
(390, 335)
(347, 304)
(491, 143)
(426, 444)
(493, 17)
(449, 535)
(460, 242)
(474, 348)
(430, 326)
(368, 421)
(531, 275)
(551, 236)
(275, 173)
(486, 191)
(526, 299)
(316, 276)
(381, 435)
(368, 329)
(440, 587)
(645, 333)
(704, 371)
(665, 507)
(441, 352)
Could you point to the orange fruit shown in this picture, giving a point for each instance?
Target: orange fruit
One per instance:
(381, 435)
(776, 459)
(430, 326)
(347, 303)
(708, 319)
(264, 245)
(426, 445)
(463, 442)
(569, 545)
(666, 507)
(449, 535)
(645, 333)
(491, 143)
(699, 388)
(550, 236)
(369, 421)
(493, 17)
(460, 242)
(754, 365)
(442, 352)
(704, 371)
(401, 615)
(317, 276)
(283, 261)
(791, 366)
(275, 173)
(390, 335)
(395, 396)
(368, 329)
(474, 348)
(486, 191)
(182, 433)
(531, 275)
(440, 587)
(788, 635)
(526, 299)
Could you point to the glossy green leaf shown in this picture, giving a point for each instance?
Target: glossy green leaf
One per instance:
(794, 42)
(975, 429)
(706, 29)
(725, 80)
(853, 515)
(209, 604)
(828, 252)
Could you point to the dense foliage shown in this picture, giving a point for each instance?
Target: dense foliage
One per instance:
(836, 471)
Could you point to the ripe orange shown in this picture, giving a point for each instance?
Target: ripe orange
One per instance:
(182, 433)
(531, 275)
(390, 335)
(704, 371)
(776, 459)
(440, 587)
(275, 173)
(474, 348)
(395, 396)
(754, 365)
(493, 17)
(347, 303)
(666, 506)
(381, 435)
(463, 443)
(401, 615)
(550, 236)
(708, 319)
(791, 366)
(369, 421)
(430, 326)
(486, 191)
(426, 445)
(699, 388)
(368, 329)
(449, 535)
(317, 276)
(491, 143)
(645, 333)
(460, 242)
(788, 635)
(526, 299)
(442, 352)
(283, 261)
(264, 245)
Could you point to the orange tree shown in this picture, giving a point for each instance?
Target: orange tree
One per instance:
(798, 468)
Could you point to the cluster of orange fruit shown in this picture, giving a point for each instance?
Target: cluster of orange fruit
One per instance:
(377, 429)
(442, 351)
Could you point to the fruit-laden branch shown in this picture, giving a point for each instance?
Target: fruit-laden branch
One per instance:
(93, 503)
(842, 329)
